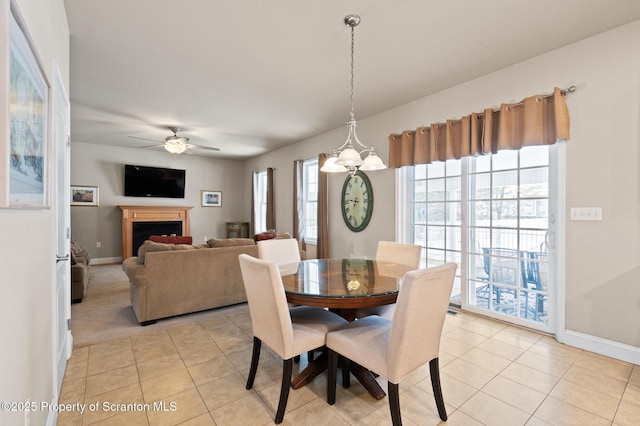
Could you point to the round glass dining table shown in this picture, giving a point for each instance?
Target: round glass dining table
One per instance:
(343, 286)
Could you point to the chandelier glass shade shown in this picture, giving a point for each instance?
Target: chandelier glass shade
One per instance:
(348, 157)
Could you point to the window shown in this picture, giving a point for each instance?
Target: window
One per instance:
(437, 211)
(491, 215)
(310, 200)
(260, 201)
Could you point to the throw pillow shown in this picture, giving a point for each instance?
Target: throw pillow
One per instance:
(267, 235)
(230, 242)
(75, 247)
(172, 239)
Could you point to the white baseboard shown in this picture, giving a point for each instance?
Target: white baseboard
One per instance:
(106, 260)
(601, 346)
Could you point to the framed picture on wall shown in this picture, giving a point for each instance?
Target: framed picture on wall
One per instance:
(24, 145)
(211, 198)
(84, 196)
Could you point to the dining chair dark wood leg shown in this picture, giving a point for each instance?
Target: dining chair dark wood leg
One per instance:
(255, 357)
(346, 372)
(287, 369)
(434, 369)
(332, 371)
(394, 403)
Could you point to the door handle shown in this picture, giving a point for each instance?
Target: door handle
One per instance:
(62, 258)
(550, 239)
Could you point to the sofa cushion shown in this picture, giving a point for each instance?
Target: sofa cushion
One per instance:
(149, 246)
(172, 239)
(230, 242)
(284, 235)
(184, 247)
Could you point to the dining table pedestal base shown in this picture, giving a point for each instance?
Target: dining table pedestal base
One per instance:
(319, 365)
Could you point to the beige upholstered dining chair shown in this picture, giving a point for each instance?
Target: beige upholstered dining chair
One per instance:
(288, 332)
(403, 254)
(283, 252)
(395, 348)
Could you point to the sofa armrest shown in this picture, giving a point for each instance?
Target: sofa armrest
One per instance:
(79, 272)
(135, 271)
(137, 275)
(79, 281)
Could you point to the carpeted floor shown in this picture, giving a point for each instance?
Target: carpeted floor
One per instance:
(105, 312)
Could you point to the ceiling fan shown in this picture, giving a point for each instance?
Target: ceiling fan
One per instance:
(176, 144)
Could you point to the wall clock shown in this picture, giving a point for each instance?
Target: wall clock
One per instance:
(357, 201)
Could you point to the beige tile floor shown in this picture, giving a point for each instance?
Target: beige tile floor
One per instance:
(194, 373)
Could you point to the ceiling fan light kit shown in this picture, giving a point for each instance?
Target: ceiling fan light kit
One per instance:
(175, 147)
(175, 144)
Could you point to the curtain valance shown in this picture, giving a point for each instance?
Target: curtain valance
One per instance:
(536, 120)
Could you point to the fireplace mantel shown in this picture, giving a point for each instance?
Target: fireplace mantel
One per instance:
(131, 214)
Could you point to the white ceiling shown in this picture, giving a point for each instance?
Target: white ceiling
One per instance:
(249, 76)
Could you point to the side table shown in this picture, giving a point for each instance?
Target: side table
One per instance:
(237, 229)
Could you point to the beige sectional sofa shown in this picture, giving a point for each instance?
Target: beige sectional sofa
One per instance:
(174, 279)
(80, 269)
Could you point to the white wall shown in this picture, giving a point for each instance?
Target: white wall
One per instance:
(102, 166)
(27, 253)
(602, 258)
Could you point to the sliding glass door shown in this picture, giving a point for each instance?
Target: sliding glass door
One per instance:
(507, 228)
(491, 215)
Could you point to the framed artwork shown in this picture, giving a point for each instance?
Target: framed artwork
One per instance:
(24, 112)
(85, 196)
(211, 198)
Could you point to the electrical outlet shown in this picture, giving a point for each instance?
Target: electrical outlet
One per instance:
(206, 238)
(98, 244)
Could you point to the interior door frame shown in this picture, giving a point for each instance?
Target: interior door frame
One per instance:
(62, 342)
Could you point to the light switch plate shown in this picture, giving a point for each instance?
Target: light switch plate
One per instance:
(586, 213)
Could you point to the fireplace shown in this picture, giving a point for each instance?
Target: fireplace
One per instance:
(143, 230)
(139, 222)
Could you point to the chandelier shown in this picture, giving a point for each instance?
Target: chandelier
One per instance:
(347, 158)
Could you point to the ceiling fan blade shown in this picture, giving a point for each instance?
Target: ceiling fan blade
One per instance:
(161, 145)
(210, 148)
(144, 139)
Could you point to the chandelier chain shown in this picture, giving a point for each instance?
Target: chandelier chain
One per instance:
(348, 157)
(352, 73)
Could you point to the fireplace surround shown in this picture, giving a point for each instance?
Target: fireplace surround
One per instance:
(154, 219)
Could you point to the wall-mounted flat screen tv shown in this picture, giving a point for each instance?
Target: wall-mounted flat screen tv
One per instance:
(145, 181)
